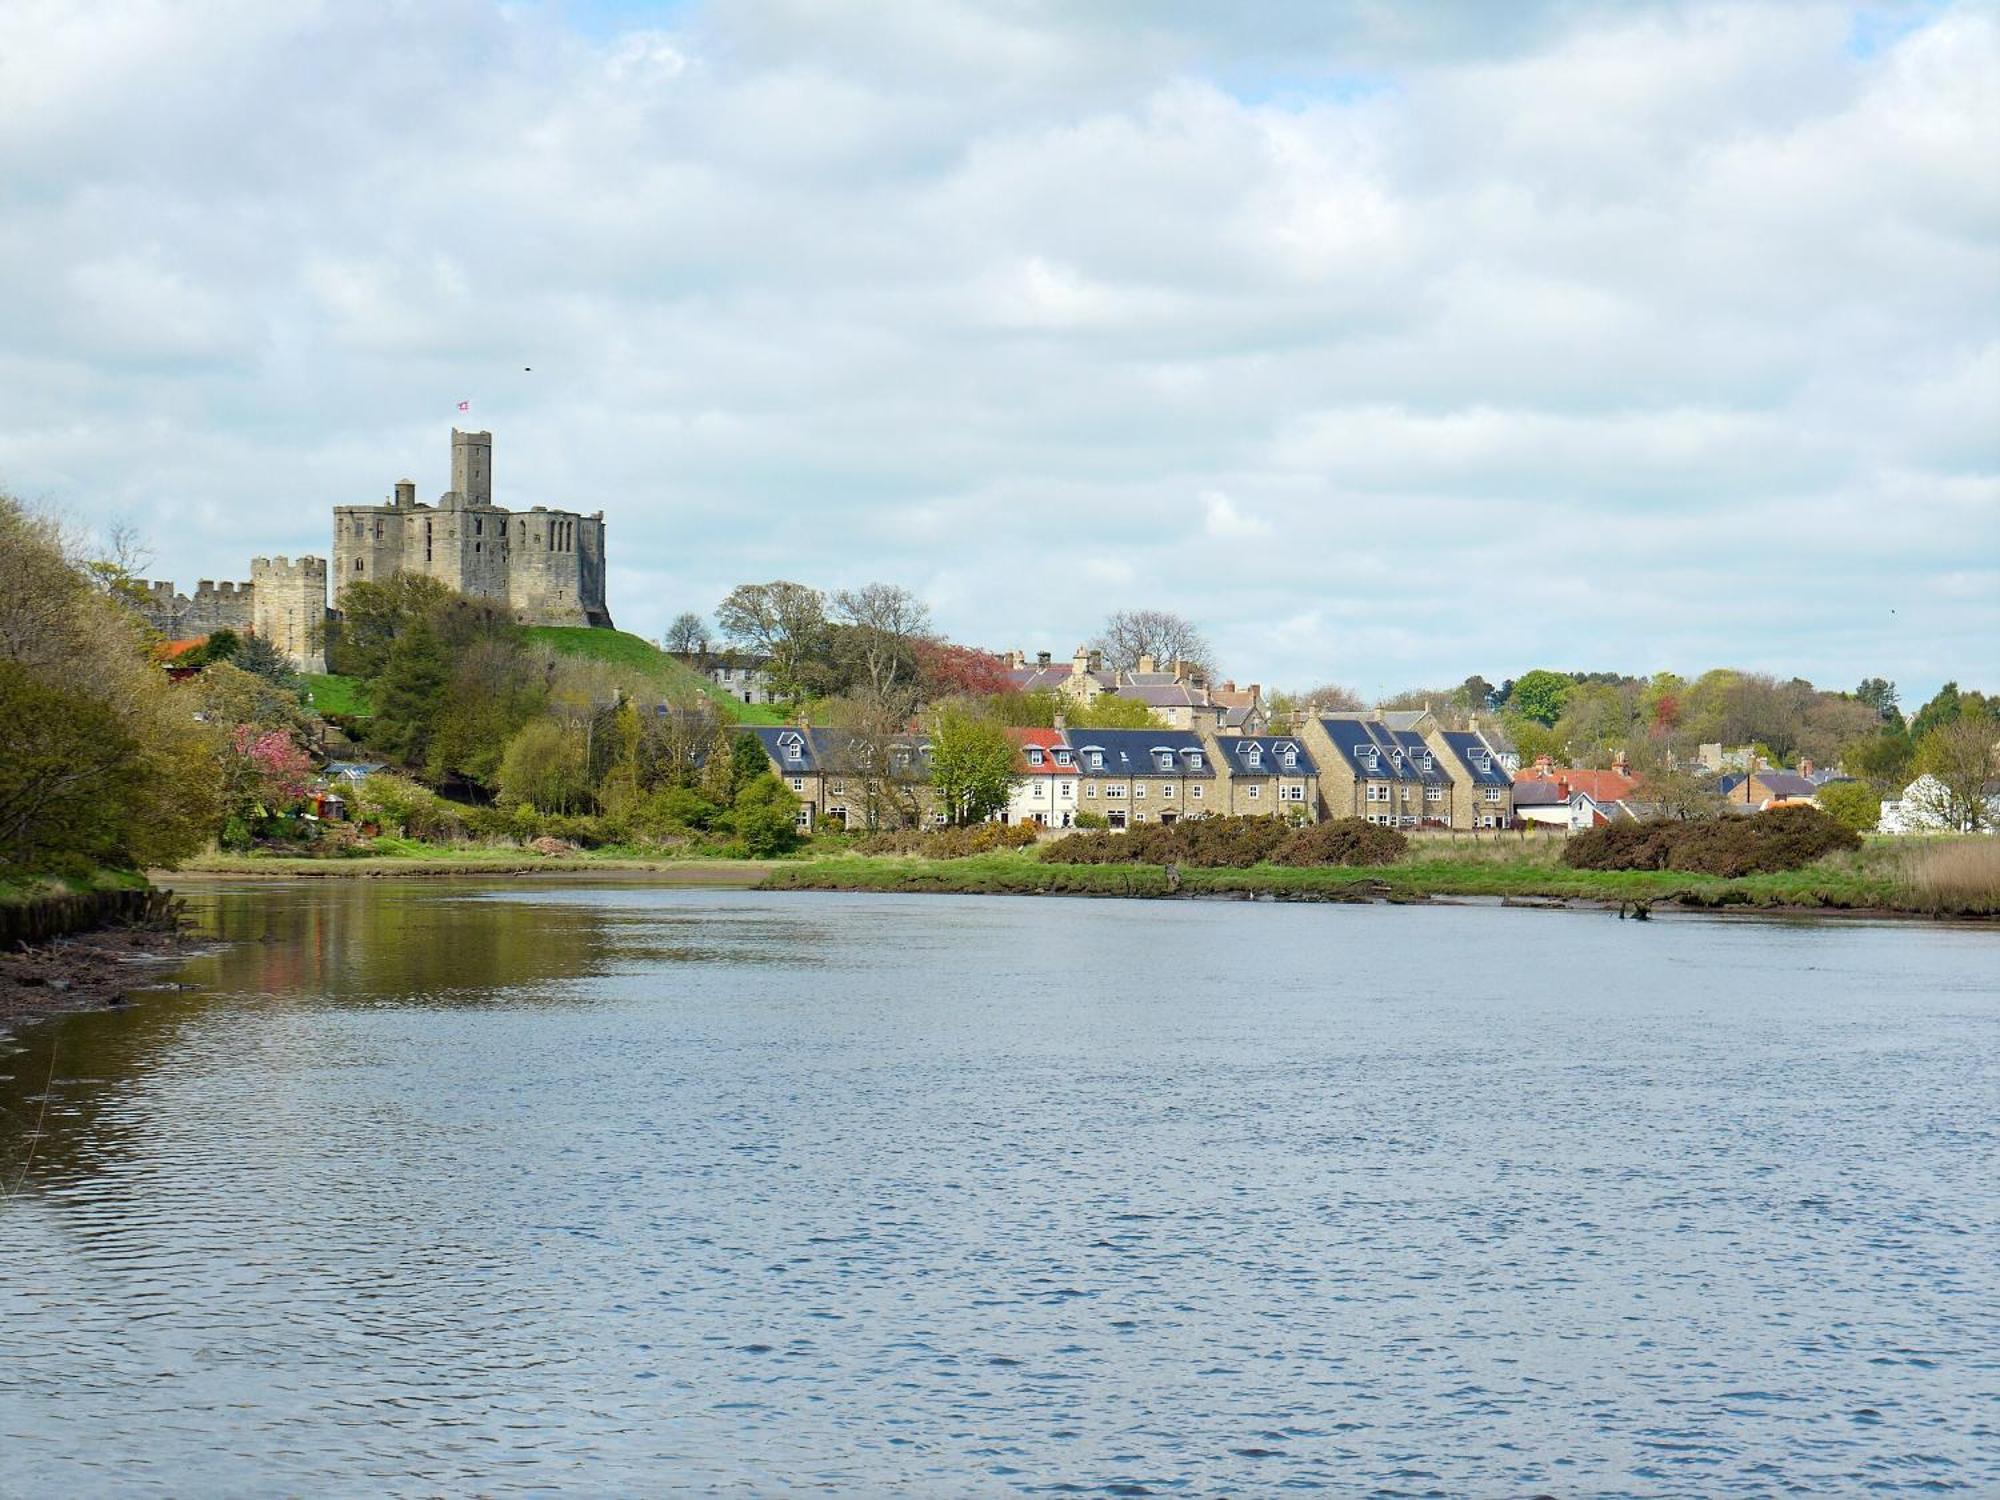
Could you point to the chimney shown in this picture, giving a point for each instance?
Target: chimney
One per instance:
(1806, 767)
(1079, 663)
(1041, 659)
(1145, 662)
(1618, 762)
(1097, 661)
(1229, 684)
(1061, 721)
(1375, 716)
(1256, 689)
(1544, 765)
(406, 494)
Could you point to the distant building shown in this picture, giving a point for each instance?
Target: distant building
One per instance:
(744, 677)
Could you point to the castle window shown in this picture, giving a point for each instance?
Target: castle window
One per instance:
(357, 566)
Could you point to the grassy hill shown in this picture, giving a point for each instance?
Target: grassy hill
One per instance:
(649, 666)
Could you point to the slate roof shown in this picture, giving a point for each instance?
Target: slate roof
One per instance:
(1399, 755)
(1538, 792)
(1270, 760)
(1039, 679)
(1775, 783)
(1134, 752)
(1469, 750)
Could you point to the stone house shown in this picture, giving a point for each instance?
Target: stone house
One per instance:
(1371, 769)
(1762, 787)
(740, 674)
(1046, 781)
(1482, 785)
(849, 779)
(1263, 776)
(1133, 776)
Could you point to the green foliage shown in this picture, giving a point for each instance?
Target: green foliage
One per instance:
(1882, 760)
(544, 768)
(259, 656)
(1108, 711)
(1089, 821)
(764, 817)
(1851, 804)
(644, 670)
(1785, 838)
(72, 778)
(374, 615)
(1949, 706)
(1343, 841)
(972, 765)
(1541, 696)
(410, 694)
(333, 696)
(405, 807)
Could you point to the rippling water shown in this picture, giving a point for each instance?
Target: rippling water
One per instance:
(433, 1189)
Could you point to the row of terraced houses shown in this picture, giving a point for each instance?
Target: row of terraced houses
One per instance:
(1402, 769)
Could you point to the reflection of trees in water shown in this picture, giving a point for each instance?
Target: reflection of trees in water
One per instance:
(342, 942)
(360, 942)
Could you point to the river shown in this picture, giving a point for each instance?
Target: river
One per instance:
(435, 1188)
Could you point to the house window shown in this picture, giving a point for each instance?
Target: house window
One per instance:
(1377, 792)
(1194, 759)
(1063, 758)
(1139, 791)
(803, 818)
(1195, 791)
(1164, 759)
(1068, 789)
(1255, 792)
(1114, 791)
(838, 788)
(1041, 790)
(1097, 760)
(1433, 794)
(1090, 789)
(1167, 792)
(1493, 794)
(798, 783)
(1034, 757)
(1252, 756)
(1292, 793)
(1291, 758)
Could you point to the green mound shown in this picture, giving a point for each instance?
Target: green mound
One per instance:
(649, 665)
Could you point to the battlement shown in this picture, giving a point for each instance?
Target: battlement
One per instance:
(278, 569)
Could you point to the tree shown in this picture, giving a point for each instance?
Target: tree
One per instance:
(1948, 707)
(782, 621)
(1959, 759)
(946, 670)
(409, 694)
(1879, 694)
(1852, 804)
(972, 765)
(1474, 695)
(687, 635)
(888, 621)
(544, 767)
(765, 817)
(1882, 760)
(1164, 636)
(1109, 711)
(1327, 698)
(1541, 695)
(375, 614)
(259, 656)
(71, 777)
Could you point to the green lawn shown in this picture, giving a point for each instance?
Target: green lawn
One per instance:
(650, 666)
(337, 695)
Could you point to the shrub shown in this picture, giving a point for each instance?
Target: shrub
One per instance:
(1345, 841)
(1090, 820)
(1785, 838)
(1205, 843)
(950, 843)
(406, 808)
(1852, 804)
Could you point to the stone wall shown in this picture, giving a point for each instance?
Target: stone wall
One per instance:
(290, 608)
(212, 607)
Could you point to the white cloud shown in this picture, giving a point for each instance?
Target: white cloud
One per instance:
(975, 296)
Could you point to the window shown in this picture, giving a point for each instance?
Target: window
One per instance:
(1294, 793)
(1090, 789)
(1194, 760)
(1493, 794)
(803, 818)
(1255, 792)
(1377, 792)
(1114, 791)
(1164, 759)
(1068, 789)
(1252, 756)
(837, 788)
(1290, 757)
(1167, 792)
(798, 783)
(1041, 791)
(1034, 756)
(1139, 791)
(1433, 794)
(1063, 758)
(1195, 791)
(1097, 760)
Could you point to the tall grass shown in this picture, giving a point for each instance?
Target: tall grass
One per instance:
(1960, 875)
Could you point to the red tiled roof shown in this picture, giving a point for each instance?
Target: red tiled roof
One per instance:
(1600, 786)
(1049, 740)
(168, 650)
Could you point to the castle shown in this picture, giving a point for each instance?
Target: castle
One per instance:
(546, 566)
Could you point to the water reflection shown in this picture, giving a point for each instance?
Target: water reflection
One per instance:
(498, 1188)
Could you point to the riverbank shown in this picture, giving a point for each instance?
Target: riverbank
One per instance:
(1878, 880)
(1872, 883)
(82, 942)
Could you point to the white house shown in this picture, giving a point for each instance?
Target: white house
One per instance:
(1924, 808)
(1045, 780)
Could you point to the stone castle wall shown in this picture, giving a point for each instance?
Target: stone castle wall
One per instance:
(289, 609)
(212, 607)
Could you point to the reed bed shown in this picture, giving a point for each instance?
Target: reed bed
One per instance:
(1960, 876)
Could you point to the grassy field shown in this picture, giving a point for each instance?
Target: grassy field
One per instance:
(649, 665)
(337, 695)
(1873, 879)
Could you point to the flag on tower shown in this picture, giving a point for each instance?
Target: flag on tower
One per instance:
(465, 406)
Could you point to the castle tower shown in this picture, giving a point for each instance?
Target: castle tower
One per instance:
(289, 608)
(472, 467)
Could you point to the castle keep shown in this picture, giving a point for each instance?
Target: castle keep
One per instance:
(546, 566)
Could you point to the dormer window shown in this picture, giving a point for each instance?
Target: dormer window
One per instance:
(1252, 755)
(1194, 760)
(1063, 757)
(1290, 757)
(794, 748)
(1097, 760)
(1164, 759)
(1034, 756)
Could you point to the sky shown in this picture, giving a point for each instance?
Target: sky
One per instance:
(1389, 343)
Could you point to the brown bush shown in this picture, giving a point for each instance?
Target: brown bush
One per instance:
(1344, 841)
(950, 843)
(1785, 838)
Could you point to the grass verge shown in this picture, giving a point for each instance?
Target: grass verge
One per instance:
(332, 694)
(648, 664)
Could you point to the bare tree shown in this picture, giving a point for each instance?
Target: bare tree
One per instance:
(780, 620)
(1328, 697)
(687, 636)
(866, 748)
(1158, 633)
(888, 621)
